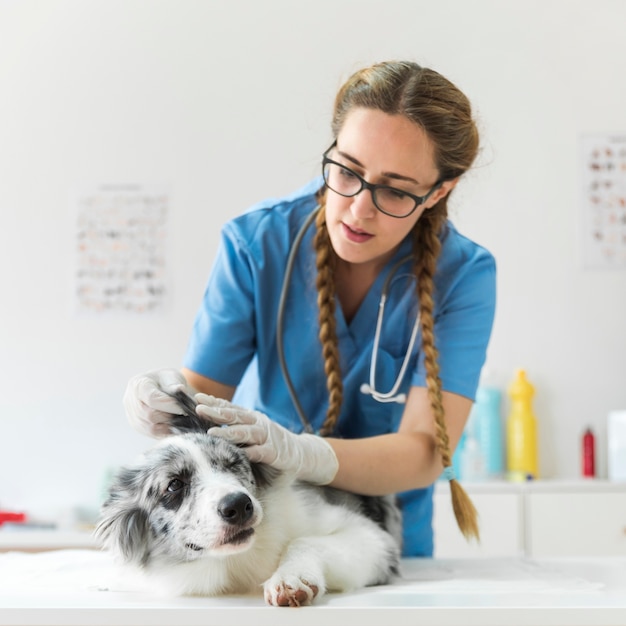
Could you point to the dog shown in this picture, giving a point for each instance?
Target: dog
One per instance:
(196, 517)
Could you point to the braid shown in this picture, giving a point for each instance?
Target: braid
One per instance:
(427, 246)
(325, 263)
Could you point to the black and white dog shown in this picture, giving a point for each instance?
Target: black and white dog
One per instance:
(198, 518)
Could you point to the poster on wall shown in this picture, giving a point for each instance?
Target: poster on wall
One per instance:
(121, 249)
(604, 200)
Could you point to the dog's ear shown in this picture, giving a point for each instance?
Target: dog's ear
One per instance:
(264, 475)
(126, 532)
(189, 421)
(124, 526)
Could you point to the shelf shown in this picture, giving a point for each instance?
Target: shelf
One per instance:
(43, 540)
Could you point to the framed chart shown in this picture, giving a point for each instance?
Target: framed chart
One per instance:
(604, 200)
(121, 248)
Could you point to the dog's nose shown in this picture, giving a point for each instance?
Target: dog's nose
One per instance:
(236, 508)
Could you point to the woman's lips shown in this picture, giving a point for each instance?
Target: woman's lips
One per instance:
(355, 235)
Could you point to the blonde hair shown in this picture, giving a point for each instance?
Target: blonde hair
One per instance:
(444, 112)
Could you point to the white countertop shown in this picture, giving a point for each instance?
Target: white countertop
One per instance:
(42, 540)
(83, 587)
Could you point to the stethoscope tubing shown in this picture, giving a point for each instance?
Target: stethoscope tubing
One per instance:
(282, 304)
(392, 395)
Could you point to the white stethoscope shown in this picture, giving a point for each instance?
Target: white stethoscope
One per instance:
(367, 388)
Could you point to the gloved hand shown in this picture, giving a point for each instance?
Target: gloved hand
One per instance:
(148, 406)
(310, 457)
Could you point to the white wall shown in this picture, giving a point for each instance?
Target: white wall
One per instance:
(228, 103)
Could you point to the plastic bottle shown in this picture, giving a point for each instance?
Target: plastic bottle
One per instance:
(472, 458)
(457, 457)
(589, 454)
(521, 431)
(489, 429)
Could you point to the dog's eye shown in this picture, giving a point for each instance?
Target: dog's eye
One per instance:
(175, 485)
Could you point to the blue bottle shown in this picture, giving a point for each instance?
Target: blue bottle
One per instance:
(457, 458)
(490, 432)
(473, 466)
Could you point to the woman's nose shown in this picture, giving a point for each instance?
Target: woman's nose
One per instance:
(363, 205)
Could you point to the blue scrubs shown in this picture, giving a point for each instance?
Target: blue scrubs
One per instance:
(234, 335)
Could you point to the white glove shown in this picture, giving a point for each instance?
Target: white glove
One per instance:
(309, 457)
(148, 406)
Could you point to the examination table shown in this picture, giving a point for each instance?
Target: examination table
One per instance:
(84, 587)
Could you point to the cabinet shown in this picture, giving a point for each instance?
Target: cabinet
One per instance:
(536, 519)
(500, 518)
(576, 523)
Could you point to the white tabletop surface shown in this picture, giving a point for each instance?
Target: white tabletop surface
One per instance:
(72, 587)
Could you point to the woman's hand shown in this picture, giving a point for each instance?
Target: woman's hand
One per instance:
(309, 457)
(148, 402)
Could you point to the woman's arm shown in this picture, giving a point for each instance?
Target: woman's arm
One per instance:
(206, 385)
(375, 465)
(404, 460)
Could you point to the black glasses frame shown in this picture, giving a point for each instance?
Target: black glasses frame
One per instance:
(419, 200)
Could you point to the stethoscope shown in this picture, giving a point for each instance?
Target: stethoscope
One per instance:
(367, 388)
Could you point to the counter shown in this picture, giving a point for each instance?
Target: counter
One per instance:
(43, 540)
(84, 587)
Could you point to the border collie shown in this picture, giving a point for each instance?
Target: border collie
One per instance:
(196, 517)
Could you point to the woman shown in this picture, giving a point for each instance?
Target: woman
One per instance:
(403, 136)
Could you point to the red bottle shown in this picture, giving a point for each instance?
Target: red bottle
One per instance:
(589, 454)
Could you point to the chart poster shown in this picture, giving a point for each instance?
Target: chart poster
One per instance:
(604, 200)
(121, 233)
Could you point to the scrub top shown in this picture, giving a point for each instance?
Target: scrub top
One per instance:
(235, 331)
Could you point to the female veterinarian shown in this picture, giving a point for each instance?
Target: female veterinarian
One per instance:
(352, 309)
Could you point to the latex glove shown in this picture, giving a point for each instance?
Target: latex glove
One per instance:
(309, 457)
(148, 406)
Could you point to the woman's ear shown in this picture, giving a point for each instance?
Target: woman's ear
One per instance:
(446, 187)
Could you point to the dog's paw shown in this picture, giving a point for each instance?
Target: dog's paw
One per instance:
(289, 591)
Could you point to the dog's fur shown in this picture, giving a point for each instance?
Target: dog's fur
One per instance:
(198, 518)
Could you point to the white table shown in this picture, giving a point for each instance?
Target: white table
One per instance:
(83, 587)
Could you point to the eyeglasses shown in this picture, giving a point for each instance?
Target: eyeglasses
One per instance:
(388, 200)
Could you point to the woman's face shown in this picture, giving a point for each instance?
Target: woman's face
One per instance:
(384, 149)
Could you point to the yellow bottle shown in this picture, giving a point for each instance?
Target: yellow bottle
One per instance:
(521, 431)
